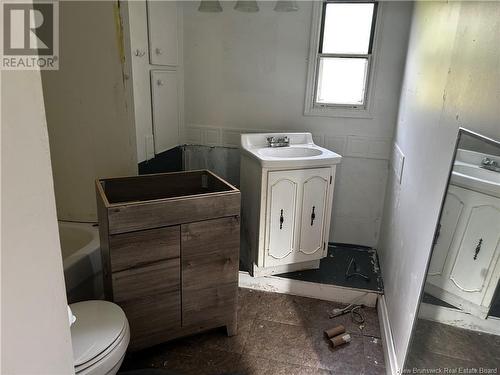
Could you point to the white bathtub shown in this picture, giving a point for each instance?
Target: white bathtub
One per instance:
(81, 254)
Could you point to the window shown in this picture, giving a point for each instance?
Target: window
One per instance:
(341, 57)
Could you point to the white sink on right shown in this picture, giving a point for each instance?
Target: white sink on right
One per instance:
(468, 174)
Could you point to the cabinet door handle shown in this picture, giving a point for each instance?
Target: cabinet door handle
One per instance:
(313, 216)
(139, 53)
(282, 219)
(478, 248)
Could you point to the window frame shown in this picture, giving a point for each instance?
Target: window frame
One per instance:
(311, 107)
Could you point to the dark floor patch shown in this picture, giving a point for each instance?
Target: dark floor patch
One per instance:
(278, 334)
(333, 269)
(427, 298)
(495, 303)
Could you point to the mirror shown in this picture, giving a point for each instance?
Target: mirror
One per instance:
(458, 324)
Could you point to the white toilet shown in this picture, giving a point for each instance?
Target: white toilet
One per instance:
(100, 336)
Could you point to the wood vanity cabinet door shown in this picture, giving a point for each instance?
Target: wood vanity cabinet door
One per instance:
(210, 262)
(146, 282)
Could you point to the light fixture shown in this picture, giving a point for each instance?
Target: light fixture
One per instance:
(286, 6)
(210, 6)
(247, 6)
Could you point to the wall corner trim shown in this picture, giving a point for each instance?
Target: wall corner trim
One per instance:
(387, 341)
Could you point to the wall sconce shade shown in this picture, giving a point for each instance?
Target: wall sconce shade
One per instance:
(210, 6)
(247, 6)
(286, 6)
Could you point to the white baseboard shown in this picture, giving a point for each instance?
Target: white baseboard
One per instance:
(325, 292)
(391, 366)
(459, 318)
(283, 268)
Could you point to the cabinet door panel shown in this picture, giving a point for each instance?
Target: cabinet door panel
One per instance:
(153, 318)
(282, 196)
(474, 262)
(209, 307)
(162, 27)
(452, 210)
(314, 201)
(210, 261)
(165, 109)
(150, 280)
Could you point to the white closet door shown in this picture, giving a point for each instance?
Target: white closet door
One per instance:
(162, 28)
(314, 201)
(165, 109)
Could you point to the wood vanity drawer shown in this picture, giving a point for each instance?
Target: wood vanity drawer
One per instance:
(150, 280)
(135, 249)
(152, 319)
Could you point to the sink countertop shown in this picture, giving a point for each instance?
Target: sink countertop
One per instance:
(301, 153)
(468, 175)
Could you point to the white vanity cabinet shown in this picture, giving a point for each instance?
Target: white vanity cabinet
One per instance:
(297, 201)
(465, 268)
(287, 197)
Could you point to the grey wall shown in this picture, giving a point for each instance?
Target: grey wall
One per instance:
(34, 321)
(246, 72)
(223, 161)
(88, 107)
(451, 79)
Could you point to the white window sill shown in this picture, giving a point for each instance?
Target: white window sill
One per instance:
(338, 112)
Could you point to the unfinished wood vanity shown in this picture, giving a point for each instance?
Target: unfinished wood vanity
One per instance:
(170, 251)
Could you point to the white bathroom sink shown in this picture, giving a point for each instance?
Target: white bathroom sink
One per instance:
(468, 175)
(302, 152)
(290, 152)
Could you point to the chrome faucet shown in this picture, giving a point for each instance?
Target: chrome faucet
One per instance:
(490, 164)
(278, 141)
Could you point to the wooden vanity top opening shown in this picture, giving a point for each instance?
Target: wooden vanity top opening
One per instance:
(134, 189)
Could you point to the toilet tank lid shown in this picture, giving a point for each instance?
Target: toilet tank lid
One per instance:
(98, 324)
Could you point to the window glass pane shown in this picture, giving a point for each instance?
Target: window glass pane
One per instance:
(347, 28)
(341, 80)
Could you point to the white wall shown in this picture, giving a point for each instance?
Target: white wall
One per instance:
(247, 72)
(87, 101)
(34, 322)
(452, 79)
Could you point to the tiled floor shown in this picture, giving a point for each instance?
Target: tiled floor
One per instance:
(437, 345)
(278, 334)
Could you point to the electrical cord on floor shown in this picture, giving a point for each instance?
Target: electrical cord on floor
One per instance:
(353, 308)
(356, 316)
